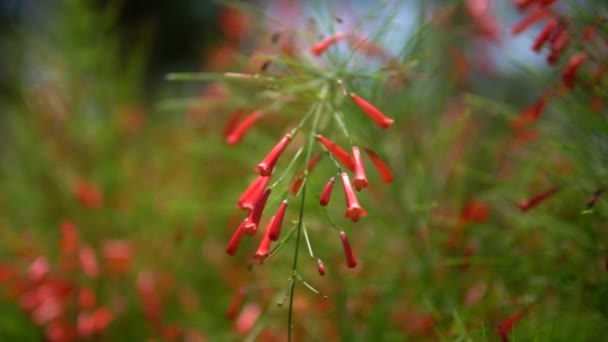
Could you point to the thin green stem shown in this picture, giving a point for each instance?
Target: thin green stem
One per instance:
(312, 256)
(311, 138)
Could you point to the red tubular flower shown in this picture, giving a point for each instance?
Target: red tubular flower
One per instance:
(569, 73)
(353, 209)
(475, 211)
(337, 152)
(253, 220)
(530, 115)
(351, 260)
(296, 184)
(232, 122)
(235, 240)
(274, 226)
(235, 304)
(252, 193)
(264, 168)
(321, 267)
(326, 194)
(242, 128)
(383, 170)
(525, 205)
(374, 113)
(264, 247)
(530, 20)
(323, 45)
(504, 328)
(545, 34)
(558, 44)
(360, 181)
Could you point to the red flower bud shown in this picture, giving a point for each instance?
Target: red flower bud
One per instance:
(326, 194)
(322, 46)
(235, 240)
(274, 226)
(320, 267)
(253, 220)
(383, 170)
(374, 113)
(545, 34)
(506, 326)
(530, 20)
(252, 193)
(265, 167)
(351, 260)
(525, 205)
(337, 152)
(569, 73)
(242, 128)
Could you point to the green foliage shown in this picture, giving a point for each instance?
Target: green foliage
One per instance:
(447, 250)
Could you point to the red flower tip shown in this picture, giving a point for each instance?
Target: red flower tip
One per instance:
(525, 205)
(569, 73)
(530, 115)
(235, 304)
(374, 113)
(505, 327)
(264, 247)
(559, 42)
(530, 20)
(274, 227)
(475, 211)
(383, 169)
(326, 194)
(353, 210)
(360, 181)
(88, 194)
(545, 34)
(242, 128)
(253, 220)
(337, 152)
(232, 122)
(351, 260)
(321, 267)
(264, 168)
(323, 45)
(235, 240)
(252, 193)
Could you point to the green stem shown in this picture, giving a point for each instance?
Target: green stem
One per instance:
(294, 268)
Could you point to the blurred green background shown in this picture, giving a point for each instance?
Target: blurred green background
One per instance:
(118, 192)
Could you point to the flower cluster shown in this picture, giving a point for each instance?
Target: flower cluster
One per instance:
(559, 37)
(255, 197)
